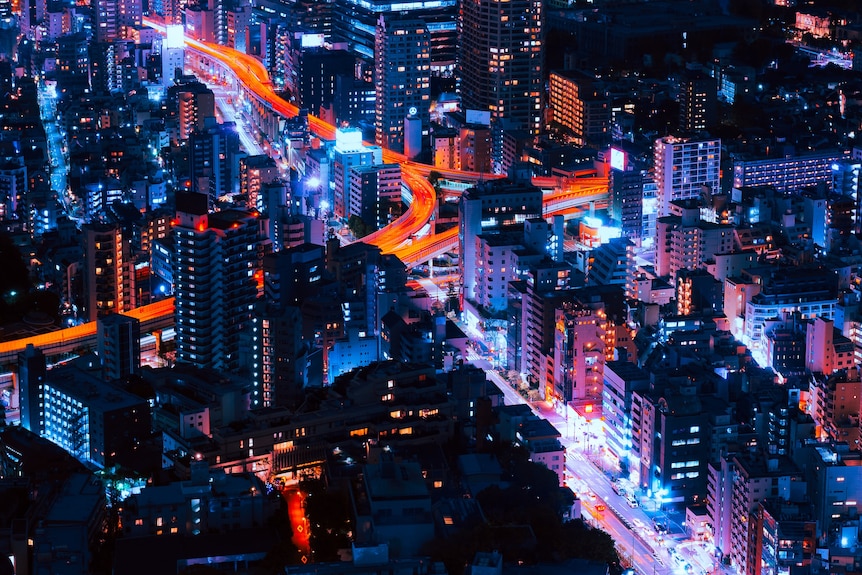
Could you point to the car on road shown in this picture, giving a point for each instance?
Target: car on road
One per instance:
(600, 507)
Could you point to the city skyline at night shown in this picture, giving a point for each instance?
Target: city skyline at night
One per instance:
(472, 286)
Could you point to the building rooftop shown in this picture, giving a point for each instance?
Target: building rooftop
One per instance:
(90, 390)
(395, 480)
(79, 496)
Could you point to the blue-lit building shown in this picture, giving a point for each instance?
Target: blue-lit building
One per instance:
(488, 208)
(786, 174)
(73, 407)
(621, 379)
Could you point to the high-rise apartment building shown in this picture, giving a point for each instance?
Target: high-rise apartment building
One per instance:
(579, 107)
(684, 241)
(500, 56)
(545, 290)
(349, 152)
(213, 154)
(93, 420)
(254, 173)
(114, 18)
(217, 267)
(13, 185)
(73, 62)
(32, 368)
(578, 354)
(627, 177)
(284, 363)
(195, 103)
(698, 102)
(402, 76)
(487, 208)
(375, 193)
(108, 271)
(685, 168)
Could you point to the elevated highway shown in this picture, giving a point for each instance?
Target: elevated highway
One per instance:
(153, 317)
(253, 77)
(268, 109)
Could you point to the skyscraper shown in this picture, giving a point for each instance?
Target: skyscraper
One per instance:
(217, 268)
(685, 168)
(254, 173)
(501, 51)
(402, 76)
(354, 21)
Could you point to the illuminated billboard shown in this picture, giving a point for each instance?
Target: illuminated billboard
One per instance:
(480, 117)
(312, 40)
(175, 36)
(618, 160)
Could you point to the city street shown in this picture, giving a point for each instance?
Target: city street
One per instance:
(638, 543)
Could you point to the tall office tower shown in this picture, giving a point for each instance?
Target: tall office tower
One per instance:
(402, 76)
(195, 103)
(32, 368)
(349, 152)
(213, 159)
(501, 53)
(254, 173)
(115, 18)
(698, 102)
(684, 169)
(217, 267)
(318, 70)
(108, 271)
(488, 208)
(119, 342)
(73, 63)
(375, 193)
(626, 187)
(355, 21)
